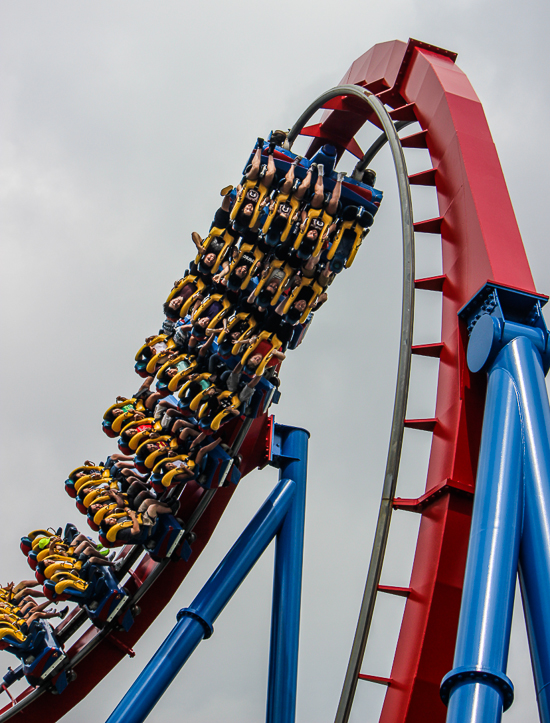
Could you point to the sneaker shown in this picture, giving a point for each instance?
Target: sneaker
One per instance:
(63, 612)
(369, 177)
(278, 137)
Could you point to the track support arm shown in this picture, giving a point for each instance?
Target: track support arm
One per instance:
(281, 516)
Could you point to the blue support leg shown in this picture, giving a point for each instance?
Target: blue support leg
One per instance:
(477, 688)
(525, 364)
(195, 623)
(287, 583)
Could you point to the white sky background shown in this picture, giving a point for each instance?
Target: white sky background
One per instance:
(120, 123)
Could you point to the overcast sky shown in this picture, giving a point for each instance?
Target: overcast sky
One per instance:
(121, 121)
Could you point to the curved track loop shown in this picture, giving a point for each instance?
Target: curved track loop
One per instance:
(342, 93)
(480, 242)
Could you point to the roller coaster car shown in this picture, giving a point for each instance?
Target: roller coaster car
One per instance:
(71, 483)
(48, 551)
(266, 344)
(168, 540)
(218, 242)
(309, 291)
(356, 193)
(144, 429)
(160, 480)
(144, 460)
(39, 652)
(51, 564)
(100, 595)
(188, 392)
(32, 539)
(265, 394)
(289, 207)
(65, 585)
(108, 510)
(244, 322)
(107, 600)
(148, 354)
(188, 289)
(165, 374)
(151, 346)
(218, 469)
(87, 484)
(353, 227)
(42, 547)
(286, 272)
(352, 192)
(248, 256)
(197, 401)
(94, 496)
(109, 539)
(177, 381)
(44, 539)
(316, 220)
(159, 359)
(113, 423)
(213, 299)
(229, 403)
(253, 192)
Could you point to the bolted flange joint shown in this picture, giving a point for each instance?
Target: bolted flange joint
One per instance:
(190, 613)
(467, 675)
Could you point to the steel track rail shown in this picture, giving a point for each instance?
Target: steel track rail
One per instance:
(403, 372)
(375, 148)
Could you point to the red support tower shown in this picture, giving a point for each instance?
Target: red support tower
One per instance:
(480, 242)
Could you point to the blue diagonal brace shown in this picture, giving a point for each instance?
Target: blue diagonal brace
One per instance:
(194, 624)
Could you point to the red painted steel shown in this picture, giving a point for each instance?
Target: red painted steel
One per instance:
(424, 178)
(425, 425)
(433, 350)
(430, 225)
(480, 242)
(393, 590)
(431, 283)
(375, 679)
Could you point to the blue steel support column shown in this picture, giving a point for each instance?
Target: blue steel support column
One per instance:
(525, 364)
(512, 504)
(195, 623)
(477, 687)
(287, 583)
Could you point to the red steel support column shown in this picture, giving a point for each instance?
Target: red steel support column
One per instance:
(481, 242)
